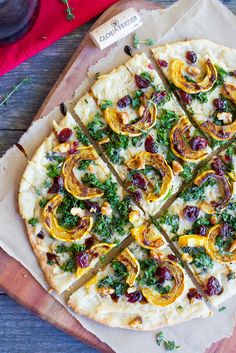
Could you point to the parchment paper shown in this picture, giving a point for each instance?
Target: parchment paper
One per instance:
(185, 19)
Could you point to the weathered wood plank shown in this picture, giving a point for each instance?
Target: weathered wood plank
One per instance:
(22, 332)
(8, 138)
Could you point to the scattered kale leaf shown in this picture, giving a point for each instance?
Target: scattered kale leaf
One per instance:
(33, 221)
(171, 220)
(81, 136)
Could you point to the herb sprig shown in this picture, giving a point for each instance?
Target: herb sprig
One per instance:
(14, 89)
(137, 41)
(69, 11)
(169, 345)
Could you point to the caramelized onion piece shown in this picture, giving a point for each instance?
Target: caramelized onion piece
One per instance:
(155, 298)
(180, 147)
(56, 231)
(71, 183)
(225, 187)
(158, 162)
(202, 85)
(146, 121)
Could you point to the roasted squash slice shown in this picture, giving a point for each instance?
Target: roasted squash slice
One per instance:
(132, 265)
(158, 162)
(147, 237)
(146, 121)
(211, 247)
(71, 183)
(192, 240)
(219, 132)
(229, 91)
(180, 147)
(224, 186)
(155, 298)
(56, 231)
(204, 84)
(94, 252)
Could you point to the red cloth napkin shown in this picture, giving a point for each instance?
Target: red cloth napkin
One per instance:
(50, 25)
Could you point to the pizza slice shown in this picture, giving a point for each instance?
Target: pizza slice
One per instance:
(143, 131)
(75, 211)
(202, 222)
(144, 288)
(203, 75)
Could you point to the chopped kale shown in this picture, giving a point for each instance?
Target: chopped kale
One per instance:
(119, 269)
(83, 165)
(164, 124)
(200, 258)
(69, 265)
(81, 136)
(54, 170)
(33, 221)
(42, 202)
(146, 75)
(196, 192)
(187, 172)
(96, 128)
(53, 156)
(106, 103)
(136, 99)
(171, 220)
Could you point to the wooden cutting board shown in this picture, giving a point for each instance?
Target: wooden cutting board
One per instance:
(15, 280)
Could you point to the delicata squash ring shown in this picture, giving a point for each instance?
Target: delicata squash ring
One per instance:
(155, 298)
(71, 183)
(219, 132)
(225, 188)
(132, 265)
(211, 249)
(147, 237)
(146, 122)
(94, 252)
(179, 146)
(56, 231)
(158, 162)
(205, 84)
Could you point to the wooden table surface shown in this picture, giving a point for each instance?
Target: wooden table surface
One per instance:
(21, 331)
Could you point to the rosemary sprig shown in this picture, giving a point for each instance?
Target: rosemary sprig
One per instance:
(69, 11)
(137, 41)
(169, 345)
(14, 89)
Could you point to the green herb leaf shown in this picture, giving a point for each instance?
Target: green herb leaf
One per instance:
(33, 221)
(14, 89)
(106, 103)
(169, 345)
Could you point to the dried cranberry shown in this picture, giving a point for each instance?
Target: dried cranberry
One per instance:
(134, 296)
(219, 103)
(139, 181)
(194, 294)
(233, 73)
(198, 143)
(218, 166)
(191, 57)
(151, 145)
(64, 135)
(40, 235)
(51, 257)
(128, 50)
(213, 286)
(82, 259)
(92, 207)
(225, 230)
(63, 109)
(191, 213)
(172, 257)
(124, 102)
(202, 230)
(142, 82)
(162, 63)
(163, 274)
(185, 97)
(114, 297)
(74, 147)
(137, 195)
(89, 242)
(157, 97)
(57, 185)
